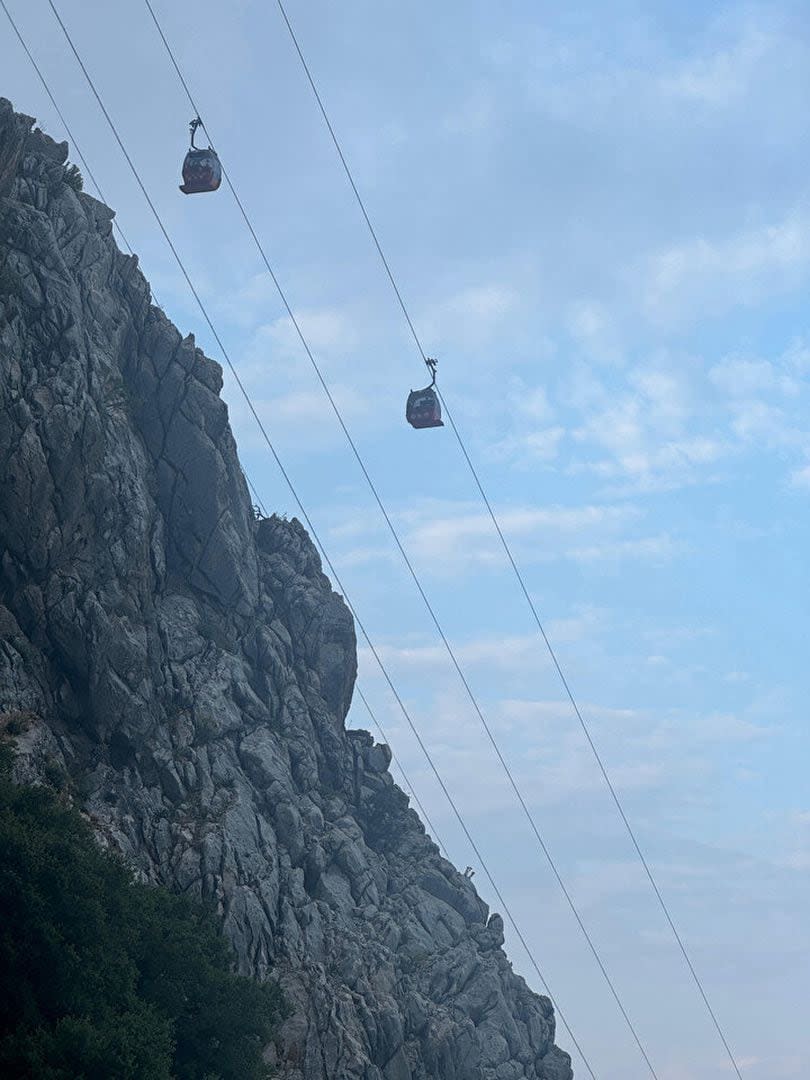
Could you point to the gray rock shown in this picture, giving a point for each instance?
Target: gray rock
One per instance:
(187, 672)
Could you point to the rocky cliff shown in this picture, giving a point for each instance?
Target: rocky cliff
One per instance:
(186, 672)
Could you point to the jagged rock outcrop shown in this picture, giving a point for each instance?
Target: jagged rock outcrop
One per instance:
(188, 670)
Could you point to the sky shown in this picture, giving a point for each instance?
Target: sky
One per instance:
(599, 217)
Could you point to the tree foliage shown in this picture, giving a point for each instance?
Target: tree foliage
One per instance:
(101, 976)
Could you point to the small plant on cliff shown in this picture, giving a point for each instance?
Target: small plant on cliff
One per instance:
(54, 775)
(101, 976)
(16, 722)
(74, 178)
(205, 729)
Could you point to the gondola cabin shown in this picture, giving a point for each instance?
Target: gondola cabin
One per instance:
(423, 409)
(202, 170)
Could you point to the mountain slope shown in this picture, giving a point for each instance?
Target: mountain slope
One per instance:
(188, 671)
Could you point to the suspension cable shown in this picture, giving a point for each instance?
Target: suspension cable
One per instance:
(448, 647)
(408, 785)
(313, 532)
(377, 724)
(66, 126)
(394, 760)
(508, 551)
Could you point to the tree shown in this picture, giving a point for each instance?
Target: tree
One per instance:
(102, 976)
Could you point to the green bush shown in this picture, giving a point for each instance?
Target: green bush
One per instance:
(104, 977)
(16, 721)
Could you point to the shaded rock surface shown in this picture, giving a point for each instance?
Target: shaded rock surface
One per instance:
(187, 672)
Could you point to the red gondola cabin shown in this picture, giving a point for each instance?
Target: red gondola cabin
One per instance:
(201, 169)
(423, 409)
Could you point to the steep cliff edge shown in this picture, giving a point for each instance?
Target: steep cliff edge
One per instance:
(188, 671)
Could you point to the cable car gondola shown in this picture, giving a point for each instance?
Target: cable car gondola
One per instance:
(201, 168)
(423, 409)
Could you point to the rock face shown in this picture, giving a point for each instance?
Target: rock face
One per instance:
(187, 671)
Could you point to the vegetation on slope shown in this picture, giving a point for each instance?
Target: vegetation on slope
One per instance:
(101, 976)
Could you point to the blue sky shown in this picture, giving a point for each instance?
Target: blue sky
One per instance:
(600, 218)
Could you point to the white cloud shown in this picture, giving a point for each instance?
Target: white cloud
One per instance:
(737, 677)
(701, 277)
(800, 478)
(667, 397)
(363, 555)
(458, 542)
(325, 330)
(677, 421)
(301, 415)
(473, 116)
(740, 377)
(471, 315)
(446, 539)
(765, 402)
(656, 549)
(756, 421)
(534, 438)
(515, 654)
(797, 357)
(593, 325)
(648, 448)
(532, 402)
(541, 445)
(472, 533)
(729, 727)
(723, 76)
(672, 757)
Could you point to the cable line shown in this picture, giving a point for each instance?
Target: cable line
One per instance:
(66, 126)
(394, 760)
(372, 487)
(377, 724)
(411, 789)
(507, 548)
(408, 784)
(315, 536)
